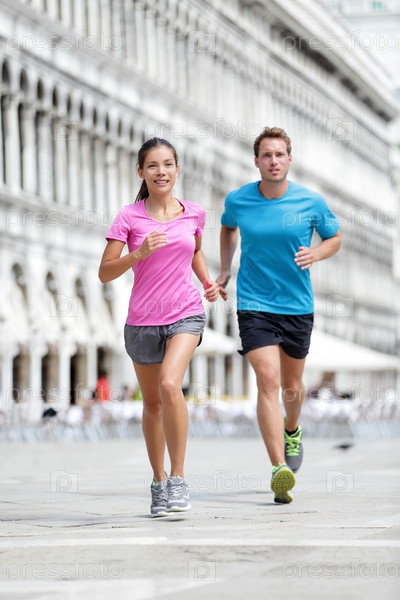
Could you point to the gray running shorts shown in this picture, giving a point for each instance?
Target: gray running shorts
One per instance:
(146, 344)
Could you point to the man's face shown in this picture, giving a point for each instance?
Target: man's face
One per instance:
(273, 160)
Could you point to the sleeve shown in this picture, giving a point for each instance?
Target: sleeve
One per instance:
(201, 222)
(228, 218)
(120, 228)
(325, 222)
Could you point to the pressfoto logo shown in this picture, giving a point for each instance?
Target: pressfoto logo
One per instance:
(39, 43)
(65, 131)
(62, 482)
(54, 218)
(342, 43)
(354, 570)
(219, 481)
(200, 570)
(219, 128)
(200, 41)
(209, 223)
(338, 306)
(357, 215)
(64, 571)
(338, 129)
(338, 482)
(63, 306)
(201, 394)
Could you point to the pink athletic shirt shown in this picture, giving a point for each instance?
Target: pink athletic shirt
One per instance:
(163, 290)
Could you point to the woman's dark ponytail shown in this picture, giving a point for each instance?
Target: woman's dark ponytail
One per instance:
(143, 192)
(147, 146)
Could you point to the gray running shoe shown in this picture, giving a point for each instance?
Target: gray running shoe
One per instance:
(294, 450)
(159, 498)
(282, 481)
(178, 495)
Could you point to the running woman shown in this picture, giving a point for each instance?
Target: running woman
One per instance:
(166, 317)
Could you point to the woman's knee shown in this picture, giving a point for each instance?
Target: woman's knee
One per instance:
(170, 388)
(153, 408)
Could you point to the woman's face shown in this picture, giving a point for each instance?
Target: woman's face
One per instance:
(159, 170)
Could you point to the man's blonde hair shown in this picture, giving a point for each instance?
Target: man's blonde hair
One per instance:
(272, 132)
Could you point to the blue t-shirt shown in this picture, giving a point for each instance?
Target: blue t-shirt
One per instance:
(271, 233)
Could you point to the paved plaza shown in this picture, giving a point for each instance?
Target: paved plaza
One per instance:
(75, 524)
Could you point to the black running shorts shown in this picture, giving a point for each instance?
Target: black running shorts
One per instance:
(291, 332)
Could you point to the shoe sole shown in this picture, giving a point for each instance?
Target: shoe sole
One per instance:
(178, 508)
(283, 481)
(162, 513)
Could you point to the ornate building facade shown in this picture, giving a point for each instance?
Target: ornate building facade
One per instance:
(85, 83)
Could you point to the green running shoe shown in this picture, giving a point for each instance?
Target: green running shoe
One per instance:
(294, 449)
(282, 481)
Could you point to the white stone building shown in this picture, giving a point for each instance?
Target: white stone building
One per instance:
(375, 27)
(85, 82)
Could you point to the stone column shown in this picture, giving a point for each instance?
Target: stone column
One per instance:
(171, 51)
(91, 361)
(37, 4)
(52, 9)
(129, 41)
(237, 376)
(162, 56)
(35, 400)
(117, 45)
(29, 182)
(86, 175)
(99, 176)
(206, 96)
(140, 37)
(219, 383)
(125, 192)
(252, 391)
(6, 398)
(74, 170)
(105, 22)
(45, 156)
(2, 133)
(60, 137)
(79, 16)
(199, 382)
(219, 88)
(66, 14)
(181, 60)
(12, 146)
(114, 202)
(150, 43)
(93, 24)
(65, 352)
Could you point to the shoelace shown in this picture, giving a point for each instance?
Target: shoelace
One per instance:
(159, 494)
(292, 446)
(175, 489)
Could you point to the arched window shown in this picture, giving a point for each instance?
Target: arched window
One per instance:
(51, 283)
(20, 279)
(5, 85)
(80, 291)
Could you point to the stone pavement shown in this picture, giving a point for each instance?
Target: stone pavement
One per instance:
(75, 524)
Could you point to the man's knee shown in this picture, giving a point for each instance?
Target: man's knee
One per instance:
(292, 390)
(268, 380)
